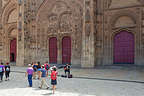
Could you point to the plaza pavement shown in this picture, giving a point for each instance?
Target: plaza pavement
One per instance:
(86, 82)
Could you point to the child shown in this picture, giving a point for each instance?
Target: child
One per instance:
(7, 71)
(29, 73)
(54, 78)
(1, 71)
(43, 77)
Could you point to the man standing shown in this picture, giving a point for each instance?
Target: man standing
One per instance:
(1, 71)
(29, 73)
(67, 69)
(43, 78)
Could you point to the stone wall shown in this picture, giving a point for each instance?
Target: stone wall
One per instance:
(8, 24)
(91, 24)
(119, 16)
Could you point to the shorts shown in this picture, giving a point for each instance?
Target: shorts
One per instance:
(67, 71)
(53, 82)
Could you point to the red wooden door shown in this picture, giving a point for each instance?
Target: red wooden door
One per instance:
(124, 48)
(66, 50)
(13, 50)
(53, 50)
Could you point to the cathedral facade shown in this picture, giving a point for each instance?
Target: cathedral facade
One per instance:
(84, 33)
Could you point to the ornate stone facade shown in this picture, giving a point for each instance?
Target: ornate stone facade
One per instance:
(91, 26)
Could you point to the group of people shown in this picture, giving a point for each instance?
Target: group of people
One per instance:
(37, 71)
(41, 71)
(4, 69)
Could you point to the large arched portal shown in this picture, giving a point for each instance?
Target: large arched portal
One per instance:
(124, 48)
(66, 50)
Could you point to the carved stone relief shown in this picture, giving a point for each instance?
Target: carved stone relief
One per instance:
(60, 19)
(87, 13)
(87, 29)
(4, 2)
(65, 23)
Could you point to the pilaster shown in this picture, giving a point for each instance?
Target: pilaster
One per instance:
(88, 36)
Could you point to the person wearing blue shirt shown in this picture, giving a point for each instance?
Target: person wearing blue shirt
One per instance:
(43, 78)
(1, 71)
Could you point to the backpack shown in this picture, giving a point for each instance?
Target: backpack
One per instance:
(47, 67)
(70, 76)
(7, 69)
(35, 67)
(63, 76)
(54, 75)
(1, 69)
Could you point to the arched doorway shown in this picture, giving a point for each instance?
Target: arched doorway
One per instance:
(124, 48)
(53, 50)
(13, 50)
(66, 50)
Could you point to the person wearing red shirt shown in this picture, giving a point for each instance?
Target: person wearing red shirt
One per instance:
(54, 78)
(47, 67)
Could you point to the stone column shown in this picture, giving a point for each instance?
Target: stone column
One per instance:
(88, 36)
(20, 38)
(100, 33)
(0, 6)
(59, 48)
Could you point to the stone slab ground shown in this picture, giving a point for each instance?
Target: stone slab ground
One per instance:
(86, 82)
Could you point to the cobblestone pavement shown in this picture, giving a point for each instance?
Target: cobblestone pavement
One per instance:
(17, 86)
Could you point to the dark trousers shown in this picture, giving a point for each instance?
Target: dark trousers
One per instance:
(7, 74)
(30, 80)
(1, 75)
(67, 71)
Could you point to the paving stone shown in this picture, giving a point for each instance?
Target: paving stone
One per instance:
(18, 86)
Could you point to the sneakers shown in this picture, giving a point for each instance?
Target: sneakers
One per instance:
(46, 88)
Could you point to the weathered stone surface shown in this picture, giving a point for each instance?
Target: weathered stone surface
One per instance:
(91, 24)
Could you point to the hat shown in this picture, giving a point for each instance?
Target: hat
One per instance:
(29, 65)
(54, 66)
